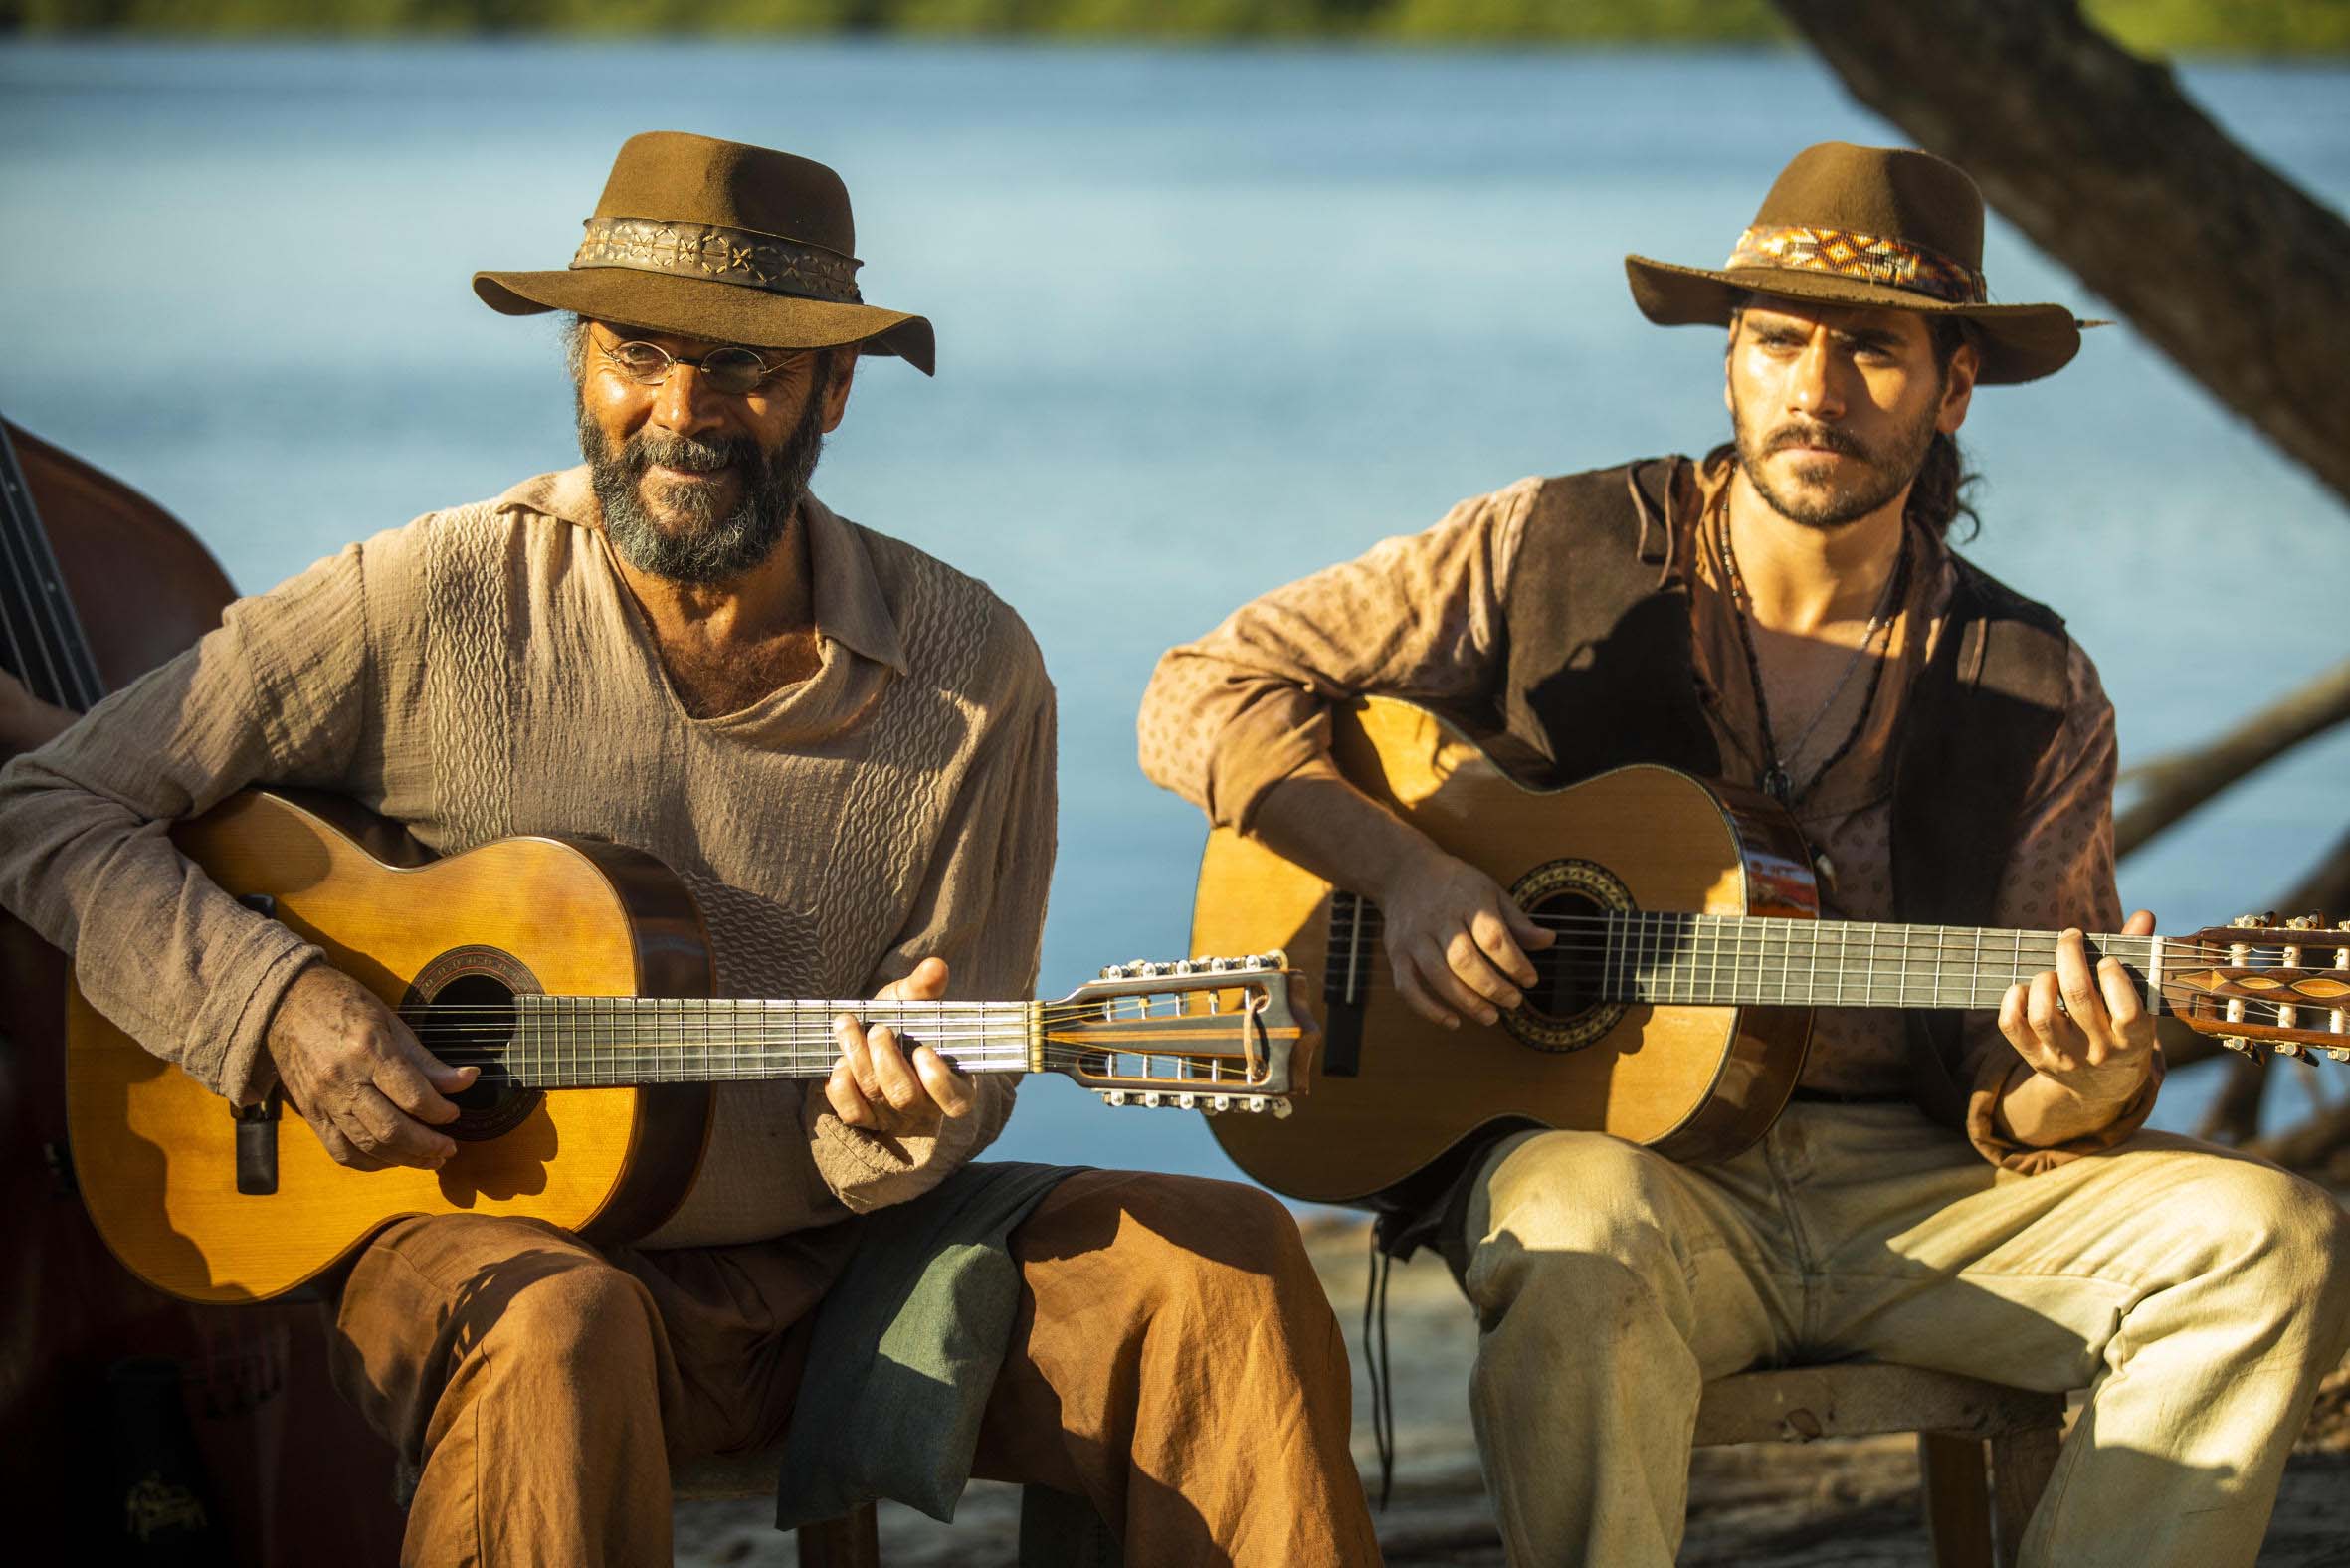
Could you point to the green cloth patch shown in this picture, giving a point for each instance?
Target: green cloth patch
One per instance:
(907, 1347)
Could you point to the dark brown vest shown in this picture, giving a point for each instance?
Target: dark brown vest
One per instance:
(1599, 674)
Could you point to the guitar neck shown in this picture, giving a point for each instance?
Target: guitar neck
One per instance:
(1731, 960)
(587, 1041)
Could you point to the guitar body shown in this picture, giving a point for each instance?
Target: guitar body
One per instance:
(157, 1152)
(1395, 1094)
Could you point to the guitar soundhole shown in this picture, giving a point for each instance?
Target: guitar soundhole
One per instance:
(1568, 983)
(461, 1008)
(1566, 1009)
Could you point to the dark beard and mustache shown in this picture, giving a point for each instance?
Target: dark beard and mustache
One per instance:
(1889, 469)
(703, 548)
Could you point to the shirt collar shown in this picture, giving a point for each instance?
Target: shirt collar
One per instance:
(849, 603)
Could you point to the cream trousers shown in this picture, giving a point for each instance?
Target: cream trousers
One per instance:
(2198, 1294)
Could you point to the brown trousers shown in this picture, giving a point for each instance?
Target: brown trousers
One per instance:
(1174, 1361)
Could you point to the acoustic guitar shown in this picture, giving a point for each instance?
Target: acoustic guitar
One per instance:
(1674, 1009)
(576, 975)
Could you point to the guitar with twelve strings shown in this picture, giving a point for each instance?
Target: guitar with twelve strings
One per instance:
(576, 974)
(1674, 1009)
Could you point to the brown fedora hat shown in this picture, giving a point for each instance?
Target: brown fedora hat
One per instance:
(719, 241)
(1886, 227)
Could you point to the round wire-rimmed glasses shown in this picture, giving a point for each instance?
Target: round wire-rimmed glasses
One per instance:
(731, 370)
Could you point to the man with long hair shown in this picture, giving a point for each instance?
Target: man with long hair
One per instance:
(1972, 1192)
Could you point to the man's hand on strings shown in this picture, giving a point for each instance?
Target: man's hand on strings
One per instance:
(880, 1087)
(358, 1076)
(2086, 1029)
(1456, 942)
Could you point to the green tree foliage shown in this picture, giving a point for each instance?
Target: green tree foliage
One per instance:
(2265, 27)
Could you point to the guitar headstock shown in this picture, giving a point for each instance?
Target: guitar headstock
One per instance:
(2260, 983)
(1196, 1034)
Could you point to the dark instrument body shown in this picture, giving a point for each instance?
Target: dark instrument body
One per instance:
(141, 589)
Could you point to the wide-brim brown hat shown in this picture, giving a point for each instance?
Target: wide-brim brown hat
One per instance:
(724, 242)
(1887, 227)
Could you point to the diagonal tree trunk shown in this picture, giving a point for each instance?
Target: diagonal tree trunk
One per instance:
(2229, 268)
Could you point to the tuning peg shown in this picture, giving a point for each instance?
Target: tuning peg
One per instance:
(2313, 921)
(1113, 1096)
(2236, 1042)
(2289, 1048)
(2338, 1053)
(2247, 920)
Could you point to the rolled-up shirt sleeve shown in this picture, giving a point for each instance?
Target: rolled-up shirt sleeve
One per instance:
(2060, 875)
(1231, 715)
(86, 854)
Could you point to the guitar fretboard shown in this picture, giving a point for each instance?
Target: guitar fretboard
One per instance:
(1731, 960)
(1714, 960)
(589, 1042)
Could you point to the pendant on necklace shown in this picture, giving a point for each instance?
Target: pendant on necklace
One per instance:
(1777, 784)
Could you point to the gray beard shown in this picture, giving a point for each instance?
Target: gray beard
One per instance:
(1890, 471)
(705, 548)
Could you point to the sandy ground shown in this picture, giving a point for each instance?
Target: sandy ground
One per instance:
(1850, 1504)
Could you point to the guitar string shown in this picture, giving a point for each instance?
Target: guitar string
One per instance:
(547, 1063)
(72, 680)
(724, 1012)
(1700, 965)
(1795, 940)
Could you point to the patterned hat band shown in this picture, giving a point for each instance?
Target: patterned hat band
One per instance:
(726, 256)
(1867, 258)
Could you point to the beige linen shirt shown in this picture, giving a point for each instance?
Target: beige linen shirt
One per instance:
(486, 672)
(1422, 617)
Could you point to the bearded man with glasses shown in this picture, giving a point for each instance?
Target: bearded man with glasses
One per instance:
(846, 749)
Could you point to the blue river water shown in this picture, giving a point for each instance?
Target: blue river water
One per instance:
(1207, 319)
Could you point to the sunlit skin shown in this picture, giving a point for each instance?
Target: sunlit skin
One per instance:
(726, 645)
(372, 1094)
(1458, 943)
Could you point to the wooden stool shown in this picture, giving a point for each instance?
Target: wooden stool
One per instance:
(850, 1541)
(1972, 1524)
(1056, 1529)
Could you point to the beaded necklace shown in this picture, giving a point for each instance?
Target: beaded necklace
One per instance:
(1776, 782)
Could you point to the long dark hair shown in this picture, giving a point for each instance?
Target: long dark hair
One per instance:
(1938, 496)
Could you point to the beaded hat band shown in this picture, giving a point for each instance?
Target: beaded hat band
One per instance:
(1872, 258)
